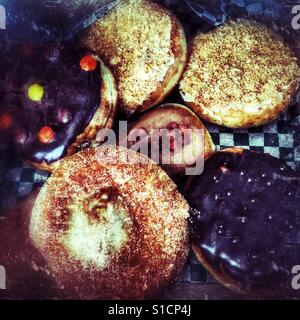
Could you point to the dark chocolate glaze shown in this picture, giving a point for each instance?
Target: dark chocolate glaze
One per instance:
(246, 220)
(71, 98)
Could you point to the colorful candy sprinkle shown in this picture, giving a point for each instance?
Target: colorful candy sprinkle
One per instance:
(36, 92)
(46, 135)
(5, 120)
(63, 115)
(88, 63)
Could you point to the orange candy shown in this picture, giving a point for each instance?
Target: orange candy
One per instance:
(88, 63)
(5, 120)
(46, 135)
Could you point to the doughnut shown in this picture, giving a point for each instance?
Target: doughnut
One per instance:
(239, 75)
(145, 47)
(110, 230)
(54, 98)
(245, 222)
(172, 116)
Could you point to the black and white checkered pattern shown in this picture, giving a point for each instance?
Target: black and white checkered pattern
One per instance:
(18, 182)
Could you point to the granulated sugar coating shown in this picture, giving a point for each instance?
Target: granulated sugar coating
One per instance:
(113, 230)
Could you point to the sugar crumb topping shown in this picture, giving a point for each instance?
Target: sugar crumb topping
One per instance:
(137, 45)
(239, 67)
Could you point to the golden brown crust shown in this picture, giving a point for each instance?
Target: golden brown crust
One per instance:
(112, 230)
(102, 118)
(145, 46)
(161, 117)
(169, 112)
(234, 150)
(239, 75)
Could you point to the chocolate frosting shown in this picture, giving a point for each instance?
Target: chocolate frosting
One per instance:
(71, 97)
(246, 220)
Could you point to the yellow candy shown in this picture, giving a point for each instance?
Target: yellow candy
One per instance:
(36, 92)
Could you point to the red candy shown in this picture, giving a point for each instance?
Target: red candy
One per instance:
(5, 120)
(88, 63)
(46, 135)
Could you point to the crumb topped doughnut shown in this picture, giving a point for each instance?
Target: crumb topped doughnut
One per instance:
(145, 46)
(110, 230)
(53, 98)
(239, 75)
(245, 221)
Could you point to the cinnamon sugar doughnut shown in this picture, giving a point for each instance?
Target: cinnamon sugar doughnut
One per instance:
(110, 230)
(144, 45)
(239, 75)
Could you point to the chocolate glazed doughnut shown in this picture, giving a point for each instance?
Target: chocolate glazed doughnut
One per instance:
(110, 231)
(53, 99)
(245, 222)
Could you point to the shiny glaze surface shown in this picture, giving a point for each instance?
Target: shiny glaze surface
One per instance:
(71, 97)
(246, 219)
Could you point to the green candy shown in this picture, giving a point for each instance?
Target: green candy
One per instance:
(36, 92)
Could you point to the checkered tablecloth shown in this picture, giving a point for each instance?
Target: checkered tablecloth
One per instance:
(280, 138)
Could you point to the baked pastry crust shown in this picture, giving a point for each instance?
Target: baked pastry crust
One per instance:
(180, 115)
(145, 46)
(113, 230)
(102, 118)
(239, 75)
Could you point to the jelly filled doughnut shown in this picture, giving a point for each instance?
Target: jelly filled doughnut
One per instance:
(239, 75)
(192, 148)
(245, 221)
(53, 98)
(145, 46)
(110, 229)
